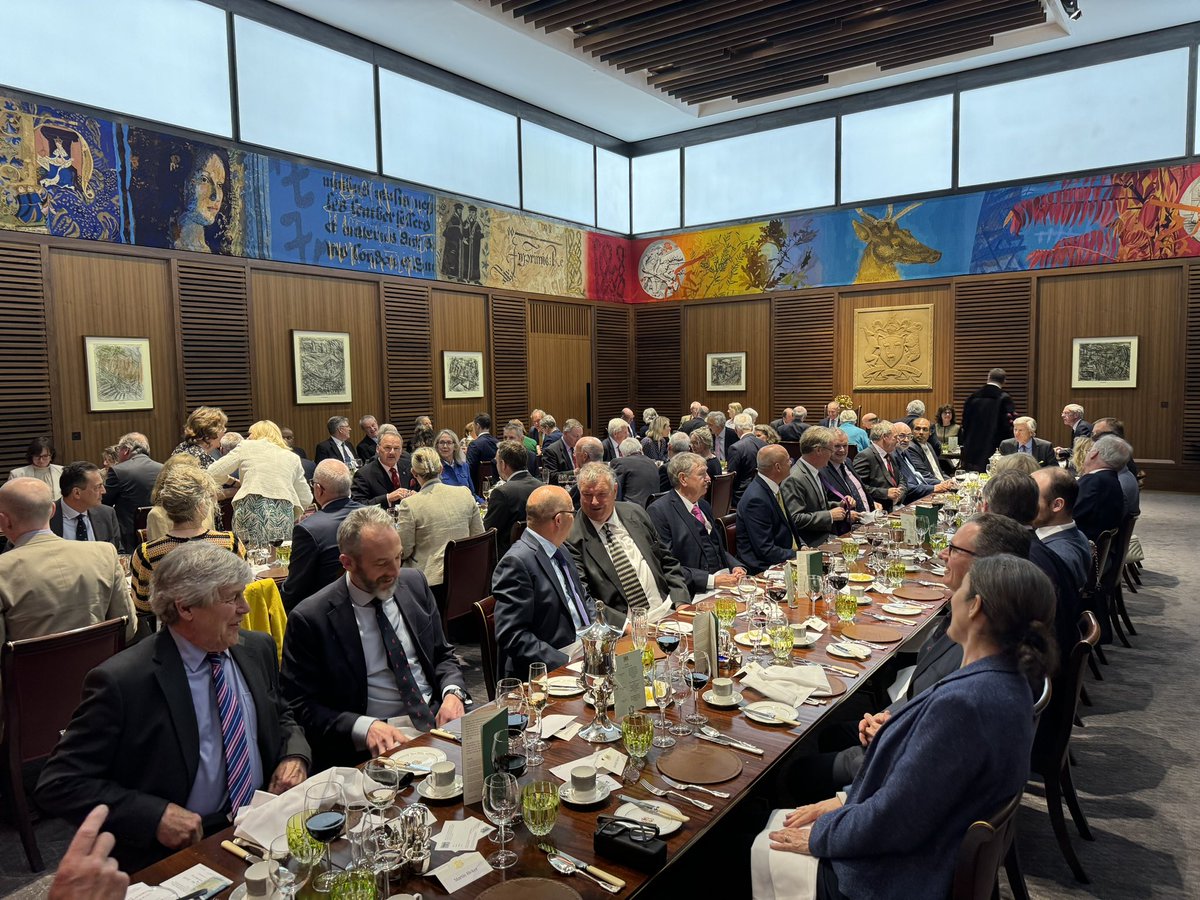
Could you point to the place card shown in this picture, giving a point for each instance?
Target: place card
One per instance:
(197, 878)
(629, 691)
(569, 731)
(461, 871)
(815, 623)
(478, 729)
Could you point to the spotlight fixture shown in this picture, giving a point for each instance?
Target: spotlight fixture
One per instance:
(1071, 8)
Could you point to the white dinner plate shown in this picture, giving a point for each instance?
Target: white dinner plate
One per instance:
(834, 649)
(418, 756)
(776, 713)
(902, 609)
(677, 627)
(665, 826)
(563, 686)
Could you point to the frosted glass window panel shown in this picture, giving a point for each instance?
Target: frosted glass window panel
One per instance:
(656, 191)
(612, 191)
(163, 60)
(298, 96)
(898, 150)
(1129, 111)
(440, 140)
(558, 175)
(762, 173)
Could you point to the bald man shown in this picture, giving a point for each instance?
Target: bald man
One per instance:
(48, 584)
(764, 532)
(541, 601)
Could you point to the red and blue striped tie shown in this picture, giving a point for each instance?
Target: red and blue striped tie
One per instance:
(238, 776)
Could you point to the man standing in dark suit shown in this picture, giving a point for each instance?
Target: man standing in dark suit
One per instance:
(686, 527)
(764, 532)
(637, 476)
(385, 480)
(841, 484)
(338, 445)
(698, 413)
(987, 420)
(81, 514)
(482, 449)
(876, 469)
(743, 455)
(365, 663)
(617, 549)
(541, 602)
(813, 516)
(315, 556)
(506, 505)
(793, 430)
(1023, 441)
(151, 739)
(557, 457)
(370, 442)
(129, 483)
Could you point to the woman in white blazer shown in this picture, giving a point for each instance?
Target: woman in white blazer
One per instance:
(273, 490)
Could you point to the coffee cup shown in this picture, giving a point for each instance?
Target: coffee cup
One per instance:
(583, 781)
(858, 590)
(722, 688)
(441, 776)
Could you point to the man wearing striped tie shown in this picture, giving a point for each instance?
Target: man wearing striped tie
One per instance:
(178, 732)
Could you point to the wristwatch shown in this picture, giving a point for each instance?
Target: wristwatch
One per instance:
(459, 693)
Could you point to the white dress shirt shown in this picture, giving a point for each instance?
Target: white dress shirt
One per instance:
(646, 577)
(1047, 530)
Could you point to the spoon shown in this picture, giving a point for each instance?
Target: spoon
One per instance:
(566, 867)
(721, 736)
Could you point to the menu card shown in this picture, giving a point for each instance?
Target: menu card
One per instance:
(629, 691)
(909, 520)
(809, 562)
(704, 635)
(478, 729)
(928, 513)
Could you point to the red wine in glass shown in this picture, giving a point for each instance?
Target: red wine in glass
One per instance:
(667, 641)
(517, 723)
(512, 763)
(698, 679)
(838, 580)
(325, 826)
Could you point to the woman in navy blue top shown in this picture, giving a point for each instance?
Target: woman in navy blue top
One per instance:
(454, 462)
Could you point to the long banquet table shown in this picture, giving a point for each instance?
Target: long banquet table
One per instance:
(573, 831)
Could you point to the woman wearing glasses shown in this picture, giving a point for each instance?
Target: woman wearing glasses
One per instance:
(454, 462)
(956, 753)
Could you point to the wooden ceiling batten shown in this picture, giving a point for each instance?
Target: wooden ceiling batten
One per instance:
(747, 50)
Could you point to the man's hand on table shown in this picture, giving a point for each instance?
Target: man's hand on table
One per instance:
(452, 708)
(397, 495)
(382, 737)
(870, 724)
(179, 828)
(806, 815)
(86, 869)
(289, 773)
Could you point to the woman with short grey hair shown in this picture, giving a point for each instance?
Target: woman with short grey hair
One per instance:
(702, 445)
(195, 575)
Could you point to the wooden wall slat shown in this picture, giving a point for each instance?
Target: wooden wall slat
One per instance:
(658, 367)
(408, 337)
(25, 399)
(614, 375)
(510, 359)
(803, 343)
(560, 359)
(1191, 377)
(993, 326)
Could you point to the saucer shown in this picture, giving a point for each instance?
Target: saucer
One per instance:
(567, 795)
(426, 790)
(563, 686)
(420, 759)
(776, 713)
(733, 700)
(902, 609)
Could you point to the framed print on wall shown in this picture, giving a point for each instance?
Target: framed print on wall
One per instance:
(462, 374)
(321, 360)
(118, 373)
(1104, 362)
(726, 371)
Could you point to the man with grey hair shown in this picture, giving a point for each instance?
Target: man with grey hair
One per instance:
(617, 549)
(49, 584)
(795, 428)
(857, 436)
(618, 430)
(129, 483)
(1101, 502)
(724, 437)
(832, 410)
(176, 733)
(1072, 416)
(387, 479)
(698, 412)
(315, 556)
(813, 516)
(338, 445)
(1024, 440)
(548, 433)
(365, 663)
(876, 468)
(229, 440)
(753, 414)
(914, 410)
(743, 455)
(558, 457)
(366, 447)
(678, 442)
(637, 475)
(631, 421)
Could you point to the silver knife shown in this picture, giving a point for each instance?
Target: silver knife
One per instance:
(730, 742)
(651, 808)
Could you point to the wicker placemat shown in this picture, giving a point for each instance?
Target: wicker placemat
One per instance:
(702, 764)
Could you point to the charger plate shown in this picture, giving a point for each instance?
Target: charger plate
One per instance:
(700, 764)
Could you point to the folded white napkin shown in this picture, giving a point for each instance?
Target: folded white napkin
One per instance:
(815, 623)
(787, 685)
(266, 817)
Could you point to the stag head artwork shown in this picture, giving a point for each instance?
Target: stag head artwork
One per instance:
(887, 244)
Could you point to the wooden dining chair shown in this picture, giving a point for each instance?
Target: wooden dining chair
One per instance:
(468, 574)
(986, 844)
(1110, 580)
(1052, 741)
(656, 496)
(1093, 593)
(140, 517)
(793, 449)
(43, 684)
(518, 529)
(485, 611)
(729, 532)
(720, 494)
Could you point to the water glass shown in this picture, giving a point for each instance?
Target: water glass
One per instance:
(660, 683)
(781, 634)
(501, 800)
(289, 871)
(539, 807)
(354, 884)
(637, 731)
(539, 696)
(847, 607)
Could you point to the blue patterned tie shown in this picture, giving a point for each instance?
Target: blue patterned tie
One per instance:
(233, 735)
(415, 706)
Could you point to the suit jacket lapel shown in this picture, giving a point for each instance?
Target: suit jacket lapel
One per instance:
(422, 651)
(172, 680)
(694, 528)
(551, 576)
(594, 544)
(345, 628)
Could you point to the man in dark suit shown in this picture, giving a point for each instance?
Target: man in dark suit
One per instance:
(637, 476)
(387, 479)
(743, 455)
(365, 663)
(925, 451)
(1072, 416)
(617, 549)
(698, 412)
(506, 505)
(918, 484)
(636, 428)
(81, 514)
(1023, 441)
(482, 449)
(724, 437)
(1055, 523)
(764, 532)
(987, 420)
(338, 445)
(558, 457)
(876, 469)
(129, 483)
(784, 419)
(1101, 503)
(686, 527)
(813, 515)
(149, 738)
(841, 484)
(618, 430)
(308, 465)
(833, 409)
(541, 601)
(315, 556)
(367, 446)
(794, 430)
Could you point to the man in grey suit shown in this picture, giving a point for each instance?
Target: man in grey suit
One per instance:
(315, 555)
(618, 551)
(82, 515)
(558, 457)
(129, 484)
(506, 505)
(1024, 441)
(541, 602)
(637, 476)
(813, 515)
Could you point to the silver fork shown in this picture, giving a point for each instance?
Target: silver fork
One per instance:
(659, 792)
(697, 787)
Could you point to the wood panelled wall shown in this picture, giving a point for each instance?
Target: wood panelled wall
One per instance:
(221, 333)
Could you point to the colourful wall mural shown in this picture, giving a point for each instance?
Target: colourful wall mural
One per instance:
(72, 175)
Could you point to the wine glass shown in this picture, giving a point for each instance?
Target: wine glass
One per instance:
(660, 684)
(325, 806)
(386, 778)
(758, 625)
(699, 676)
(532, 735)
(539, 695)
(501, 798)
(746, 588)
(287, 871)
(510, 695)
(637, 730)
(508, 753)
(816, 584)
(780, 631)
(681, 687)
(667, 637)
